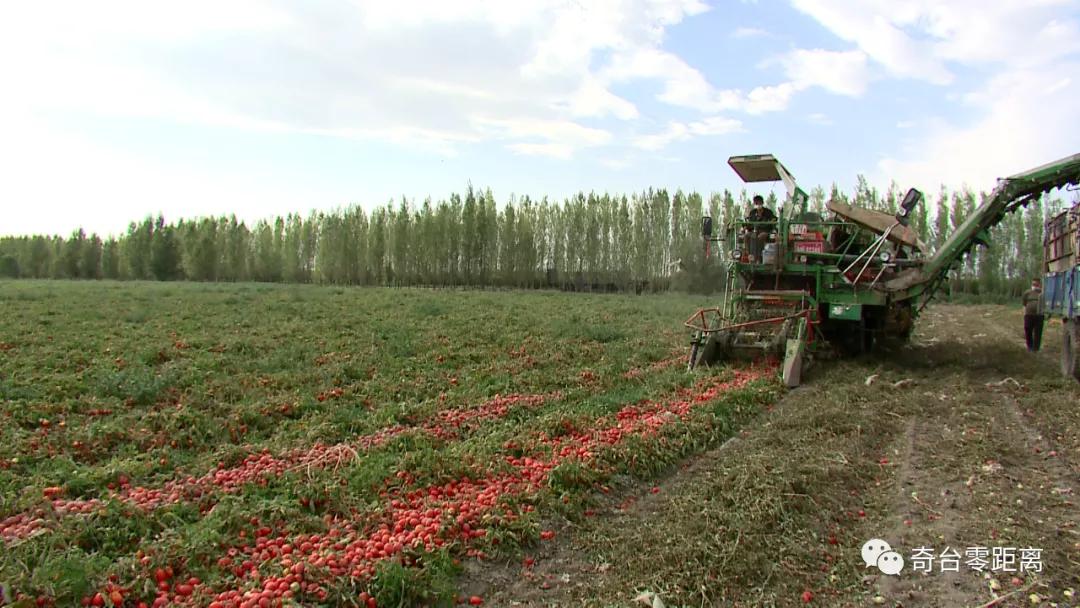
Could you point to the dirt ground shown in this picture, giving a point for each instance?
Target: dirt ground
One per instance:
(958, 440)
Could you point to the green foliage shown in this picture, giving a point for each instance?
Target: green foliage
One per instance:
(9, 267)
(162, 382)
(649, 241)
(139, 384)
(399, 586)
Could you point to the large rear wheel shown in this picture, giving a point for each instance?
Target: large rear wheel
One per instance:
(1070, 349)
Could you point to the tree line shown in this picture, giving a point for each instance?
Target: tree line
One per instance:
(646, 241)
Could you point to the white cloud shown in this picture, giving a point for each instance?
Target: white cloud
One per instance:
(686, 87)
(546, 78)
(843, 73)
(534, 76)
(683, 85)
(1019, 32)
(769, 99)
(413, 72)
(742, 33)
(566, 131)
(875, 26)
(1025, 118)
(679, 131)
(819, 118)
(84, 25)
(560, 151)
(1023, 55)
(593, 99)
(430, 85)
(57, 182)
(675, 131)
(918, 38)
(616, 164)
(1059, 85)
(716, 125)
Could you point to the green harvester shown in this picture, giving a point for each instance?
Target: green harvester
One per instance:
(807, 286)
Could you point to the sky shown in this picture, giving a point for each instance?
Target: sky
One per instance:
(115, 109)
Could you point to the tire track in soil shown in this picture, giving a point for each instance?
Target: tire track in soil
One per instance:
(926, 512)
(1051, 463)
(1064, 463)
(939, 512)
(1049, 472)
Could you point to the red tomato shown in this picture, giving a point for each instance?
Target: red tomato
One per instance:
(475, 600)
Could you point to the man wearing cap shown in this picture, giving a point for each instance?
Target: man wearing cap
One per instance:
(763, 218)
(1033, 316)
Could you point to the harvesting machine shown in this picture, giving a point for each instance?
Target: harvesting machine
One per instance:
(808, 285)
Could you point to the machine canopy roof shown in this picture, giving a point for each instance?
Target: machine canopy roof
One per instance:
(766, 168)
(759, 168)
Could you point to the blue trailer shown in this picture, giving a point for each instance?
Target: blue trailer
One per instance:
(1061, 283)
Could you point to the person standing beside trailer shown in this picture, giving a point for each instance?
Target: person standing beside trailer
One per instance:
(1033, 316)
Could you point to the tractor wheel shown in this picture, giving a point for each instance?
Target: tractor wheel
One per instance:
(1070, 350)
(867, 341)
(849, 338)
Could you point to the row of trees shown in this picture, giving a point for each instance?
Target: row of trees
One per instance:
(588, 241)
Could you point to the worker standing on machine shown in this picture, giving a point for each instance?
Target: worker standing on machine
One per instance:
(762, 220)
(1033, 316)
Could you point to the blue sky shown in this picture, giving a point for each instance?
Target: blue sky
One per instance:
(117, 109)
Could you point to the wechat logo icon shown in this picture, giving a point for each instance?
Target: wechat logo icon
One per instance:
(878, 553)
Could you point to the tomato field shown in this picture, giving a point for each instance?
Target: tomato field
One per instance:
(256, 445)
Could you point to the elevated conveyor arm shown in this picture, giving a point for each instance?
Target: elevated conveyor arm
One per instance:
(1011, 193)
